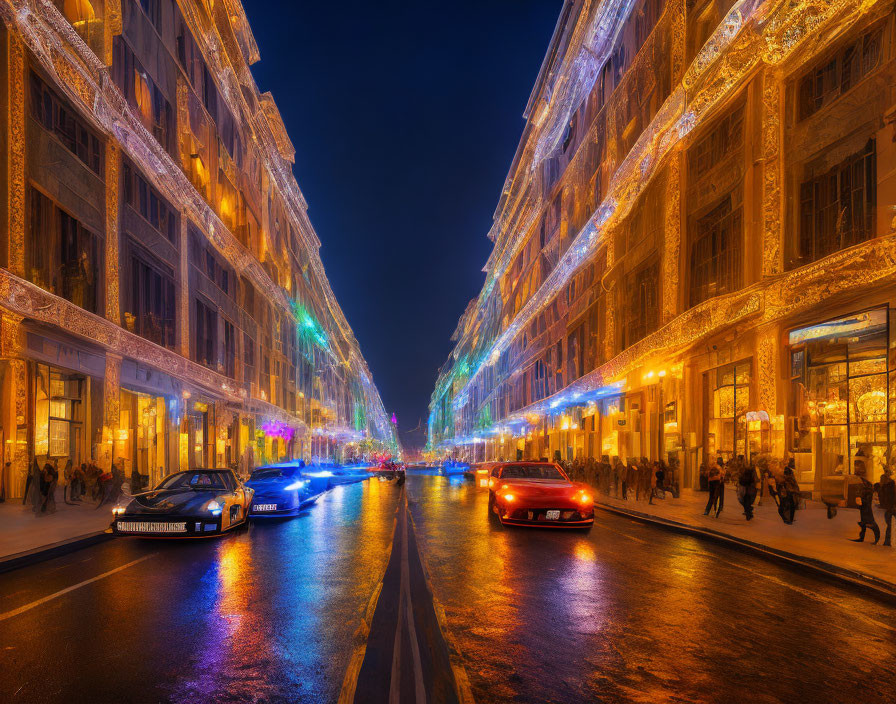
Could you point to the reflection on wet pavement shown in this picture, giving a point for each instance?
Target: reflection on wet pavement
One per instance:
(632, 613)
(623, 613)
(265, 615)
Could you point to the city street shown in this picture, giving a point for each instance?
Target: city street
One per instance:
(626, 612)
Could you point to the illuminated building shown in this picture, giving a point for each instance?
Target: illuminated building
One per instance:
(163, 298)
(699, 186)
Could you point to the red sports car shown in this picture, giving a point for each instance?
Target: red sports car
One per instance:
(539, 494)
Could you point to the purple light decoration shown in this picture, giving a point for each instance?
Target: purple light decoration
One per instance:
(394, 420)
(278, 429)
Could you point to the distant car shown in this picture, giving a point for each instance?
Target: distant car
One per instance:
(538, 494)
(197, 503)
(479, 472)
(281, 490)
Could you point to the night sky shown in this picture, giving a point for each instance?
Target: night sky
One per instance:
(405, 116)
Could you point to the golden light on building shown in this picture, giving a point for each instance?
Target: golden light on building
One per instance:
(677, 240)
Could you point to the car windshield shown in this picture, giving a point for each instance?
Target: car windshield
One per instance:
(531, 471)
(195, 480)
(273, 472)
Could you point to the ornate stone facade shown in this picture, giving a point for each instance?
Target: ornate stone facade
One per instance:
(164, 302)
(725, 107)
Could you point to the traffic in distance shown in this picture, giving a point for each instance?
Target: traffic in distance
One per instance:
(211, 502)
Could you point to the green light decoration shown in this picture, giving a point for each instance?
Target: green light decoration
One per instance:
(360, 417)
(484, 420)
(308, 329)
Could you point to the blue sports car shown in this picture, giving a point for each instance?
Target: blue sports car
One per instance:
(282, 490)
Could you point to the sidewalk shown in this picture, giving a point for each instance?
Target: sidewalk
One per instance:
(812, 539)
(22, 532)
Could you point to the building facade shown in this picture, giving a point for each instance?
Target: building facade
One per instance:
(162, 300)
(694, 248)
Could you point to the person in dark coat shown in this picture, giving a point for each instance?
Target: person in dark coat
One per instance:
(866, 508)
(748, 484)
(788, 493)
(716, 487)
(48, 482)
(886, 492)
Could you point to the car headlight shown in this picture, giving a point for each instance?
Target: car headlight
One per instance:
(295, 485)
(118, 511)
(509, 498)
(213, 507)
(585, 498)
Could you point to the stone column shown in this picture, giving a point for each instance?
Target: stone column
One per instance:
(111, 410)
(15, 402)
(112, 26)
(183, 288)
(113, 263)
(672, 239)
(773, 166)
(15, 197)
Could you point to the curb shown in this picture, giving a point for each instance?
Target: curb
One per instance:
(47, 552)
(874, 585)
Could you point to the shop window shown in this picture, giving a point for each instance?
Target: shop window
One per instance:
(835, 76)
(59, 119)
(729, 402)
(58, 409)
(839, 400)
(63, 256)
(205, 336)
(837, 208)
(640, 307)
(151, 302)
(145, 200)
(716, 253)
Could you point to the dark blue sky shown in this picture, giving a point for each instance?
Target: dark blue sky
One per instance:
(405, 116)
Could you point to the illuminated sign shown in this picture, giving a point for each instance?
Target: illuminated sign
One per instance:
(844, 327)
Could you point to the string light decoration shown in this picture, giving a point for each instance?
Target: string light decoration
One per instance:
(753, 35)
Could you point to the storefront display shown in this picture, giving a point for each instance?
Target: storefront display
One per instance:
(727, 391)
(840, 385)
(142, 444)
(59, 399)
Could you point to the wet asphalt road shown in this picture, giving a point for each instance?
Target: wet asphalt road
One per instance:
(624, 613)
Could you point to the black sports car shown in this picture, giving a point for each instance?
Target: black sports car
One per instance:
(192, 504)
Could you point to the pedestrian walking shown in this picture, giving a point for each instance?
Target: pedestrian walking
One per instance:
(716, 487)
(67, 481)
(886, 493)
(865, 501)
(747, 489)
(48, 481)
(788, 492)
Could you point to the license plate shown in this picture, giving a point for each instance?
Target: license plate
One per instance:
(264, 507)
(553, 515)
(149, 527)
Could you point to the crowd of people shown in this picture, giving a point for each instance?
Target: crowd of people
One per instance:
(84, 482)
(764, 479)
(640, 479)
